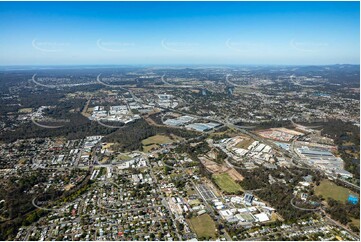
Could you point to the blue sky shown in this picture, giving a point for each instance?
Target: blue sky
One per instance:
(74, 33)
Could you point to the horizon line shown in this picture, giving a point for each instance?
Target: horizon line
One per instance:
(214, 64)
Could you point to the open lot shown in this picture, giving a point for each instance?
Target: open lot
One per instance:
(148, 148)
(203, 226)
(154, 141)
(280, 134)
(329, 189)
(157, 139)
(123, 157)
(355, 222)
(235, 175)
(244, 144)
(226, 183)
(25, 110)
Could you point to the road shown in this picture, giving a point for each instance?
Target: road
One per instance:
(348, 183)
(284, 231)
(332, 221)
(164, 201)
(303, 209)
(323, 212)
(231, 83)
(42, 208)
(167, 84)
(45, 126)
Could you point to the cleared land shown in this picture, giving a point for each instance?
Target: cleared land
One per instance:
(157, 139)
(68, 187)
(123, 157)
(22, 161)
(86, 112)
(214, 167)
(226, 183)
(235, 175)
(211, 165)
(328, 189)
(244, 144)
(104, 160)
(154, 141)
(25, 110)
(148, 148)
(108, 146)
(203, 226)
(355, 222)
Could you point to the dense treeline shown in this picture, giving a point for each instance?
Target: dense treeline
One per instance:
(26, 217)
(76, 127)
(18, 201)
(279, 196)
(259, 178)
(267, 125)
(343, 212)
(193, 151)
(220, 156)
(130, 137)
(341, 131)
(15, 193)
(156, 117)
(178, 132)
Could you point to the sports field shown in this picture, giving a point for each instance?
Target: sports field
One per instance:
(226, 183)
(203, 226)
(328, 189)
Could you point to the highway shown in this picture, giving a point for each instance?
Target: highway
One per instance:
(231, 83)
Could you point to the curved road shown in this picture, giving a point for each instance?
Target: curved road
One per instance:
(45, 126)
(304, 209)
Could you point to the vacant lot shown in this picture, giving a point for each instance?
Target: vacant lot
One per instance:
(244, 144)
(157, 139)
(123, 156)
(107, 146)
(203, 226)
(148, 148)
(328, 189)
(355, 222)
(235, 175)
(25, 110)
(226, 183)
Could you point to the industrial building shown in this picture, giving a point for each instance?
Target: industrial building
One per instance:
(324, 160)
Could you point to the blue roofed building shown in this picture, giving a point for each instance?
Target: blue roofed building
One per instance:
(352, 199)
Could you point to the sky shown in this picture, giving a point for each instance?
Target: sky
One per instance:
(166, 33)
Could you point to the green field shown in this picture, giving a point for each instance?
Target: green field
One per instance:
(328, 189)
(226, 183)
(203, 226)
(157, 139)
